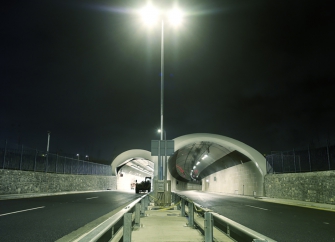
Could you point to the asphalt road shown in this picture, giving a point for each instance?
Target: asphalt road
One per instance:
(277, 221)
(52, 217)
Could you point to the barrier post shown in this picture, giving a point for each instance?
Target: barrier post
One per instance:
(191, 214)
(208, 227)
(127, 227)
(178, 201)
(147, 202)
(143, 206)
(137, 214)
(182, 210)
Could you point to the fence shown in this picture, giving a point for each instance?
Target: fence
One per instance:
(306, 160)
(27, 159)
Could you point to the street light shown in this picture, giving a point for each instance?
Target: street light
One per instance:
(159, 131)
(165, 159)
(150, 16)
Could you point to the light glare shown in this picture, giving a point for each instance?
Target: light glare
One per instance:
(149, 15)
(175, 16)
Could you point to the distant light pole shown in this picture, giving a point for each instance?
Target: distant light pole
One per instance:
(48, 143)
(150, 15)
(47, 159)
(78, 156)
(88, 158)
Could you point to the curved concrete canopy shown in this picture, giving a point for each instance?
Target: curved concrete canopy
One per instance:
(257, 158)
(124, 157)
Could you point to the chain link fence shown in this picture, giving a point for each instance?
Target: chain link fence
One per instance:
(303, 160)
(16, 157)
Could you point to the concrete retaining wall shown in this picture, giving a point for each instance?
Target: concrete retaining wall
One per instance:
(242, 179)
(310, 186)
(16, 182)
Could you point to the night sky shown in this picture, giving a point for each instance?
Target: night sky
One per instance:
(261, 72)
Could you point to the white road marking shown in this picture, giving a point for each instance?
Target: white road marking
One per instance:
(256, 207)
(91, 198)
(21, 211)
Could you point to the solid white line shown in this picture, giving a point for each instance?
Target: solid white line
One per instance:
(20, 211)
(256, 207)
(91, 197)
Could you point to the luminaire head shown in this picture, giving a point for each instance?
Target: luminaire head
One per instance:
(175, 16)
(151, 15)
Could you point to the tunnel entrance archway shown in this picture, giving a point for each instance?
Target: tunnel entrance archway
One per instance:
(246, 178)
(239, 169)
(131, 167)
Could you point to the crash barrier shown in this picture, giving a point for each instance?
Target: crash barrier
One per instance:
(211, 220)
(120, 225)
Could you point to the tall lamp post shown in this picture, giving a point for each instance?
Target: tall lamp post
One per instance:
(151, 15)
(165, 159)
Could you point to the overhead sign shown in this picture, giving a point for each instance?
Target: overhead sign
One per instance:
(164, 145)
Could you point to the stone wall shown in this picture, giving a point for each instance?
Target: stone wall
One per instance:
(16, 182)
(310, 186)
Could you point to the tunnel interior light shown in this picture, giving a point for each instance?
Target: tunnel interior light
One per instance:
(204, 157)
(198, 163)
(150, 167)
(194, 167)
(139, 168)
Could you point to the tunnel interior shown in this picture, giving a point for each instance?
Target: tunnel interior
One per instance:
(137, 166)
(198, 160)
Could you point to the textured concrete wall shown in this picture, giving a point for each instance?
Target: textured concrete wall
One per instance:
(182, 186)
(310, 186)
(242, 179)
(16, 182)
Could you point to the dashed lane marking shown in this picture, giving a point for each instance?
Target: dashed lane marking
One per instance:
(21, 211)
(256, 207)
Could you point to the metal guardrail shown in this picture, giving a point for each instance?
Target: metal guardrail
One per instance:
(230, 228)
(119, 226)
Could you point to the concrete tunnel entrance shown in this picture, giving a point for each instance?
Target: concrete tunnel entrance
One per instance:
(206, 162)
